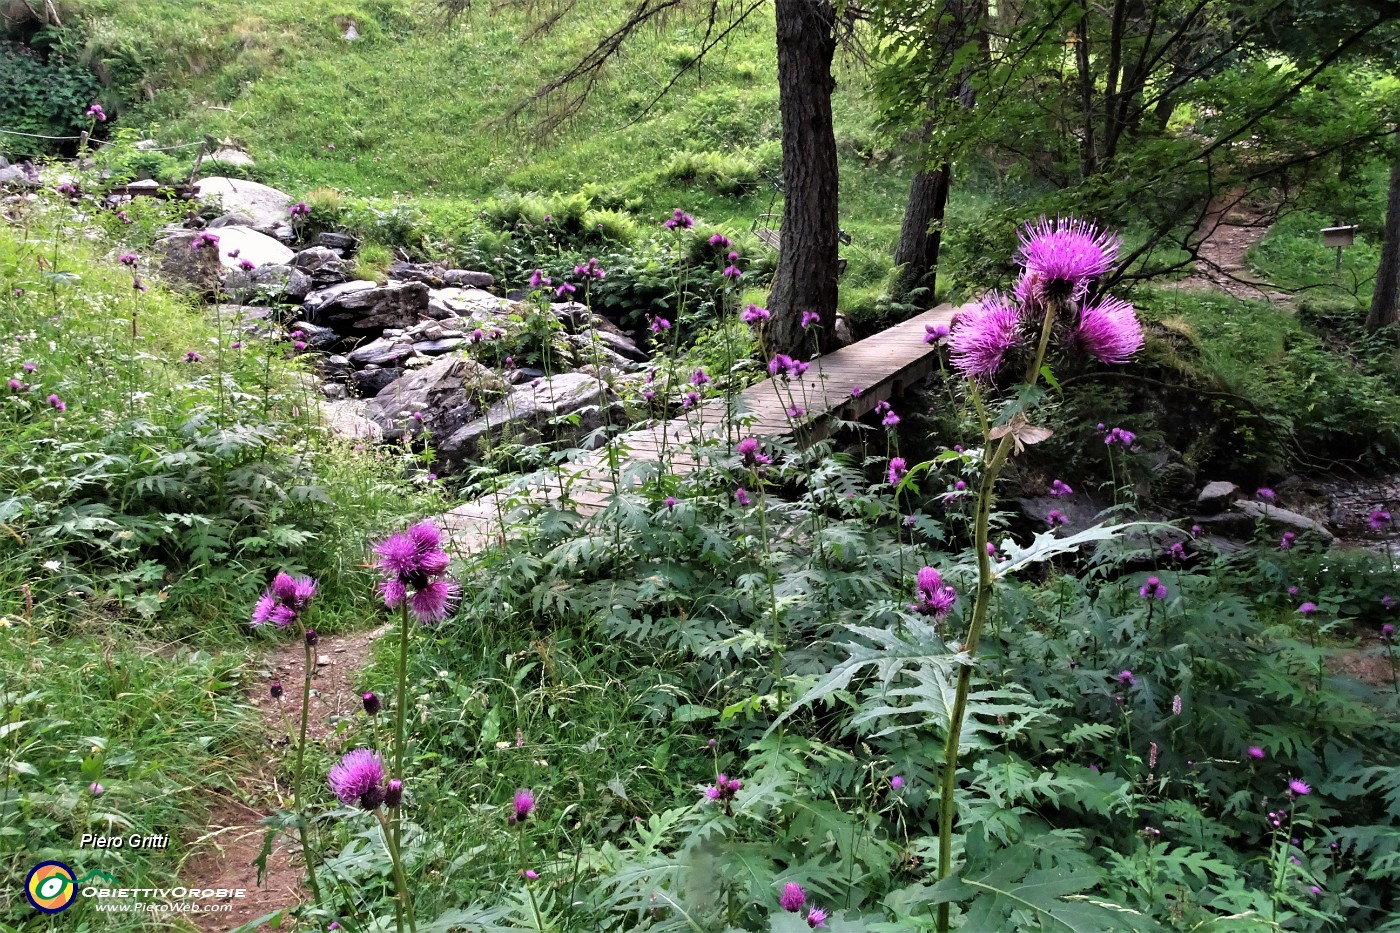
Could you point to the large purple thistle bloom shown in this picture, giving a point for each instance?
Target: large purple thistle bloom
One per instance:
(413, 563)
(981, 338)
(1108, 331)
(935, 598)
(358, 778)
(281, 603)
(1063, 256)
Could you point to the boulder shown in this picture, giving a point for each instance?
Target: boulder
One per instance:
(623, 346)
(265, 207)
(274, 281)
(439, 275)
(15, 176)
(467, 279)
(1282, 518)
(371, 380)
(335, 240)
(190, 263)
(362, 311)
(588, 352)
(345, 419)
(323, 296)
(231, 156)
(449, 393)
(479, 305)
(1216, 497)
(525, 413)
(335, 368)
(382, 352)
(438, 347)
(315, 338)
(323, 264)
(247, 243)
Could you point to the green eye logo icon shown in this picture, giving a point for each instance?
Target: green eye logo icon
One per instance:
(51, 887)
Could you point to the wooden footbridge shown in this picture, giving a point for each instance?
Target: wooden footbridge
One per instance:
(881, 366)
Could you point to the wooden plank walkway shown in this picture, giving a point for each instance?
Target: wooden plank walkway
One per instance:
(882, 365)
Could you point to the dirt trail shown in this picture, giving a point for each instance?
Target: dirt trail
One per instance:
(1229, 230)
(223, 857)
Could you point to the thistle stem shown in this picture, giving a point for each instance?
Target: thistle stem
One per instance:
(306, 854)
(401, 701)
(404, 904)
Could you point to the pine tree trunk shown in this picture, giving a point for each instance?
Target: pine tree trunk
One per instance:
(1385, 301)
(922, 232)
(805, 279)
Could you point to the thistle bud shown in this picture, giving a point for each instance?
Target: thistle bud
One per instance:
(372, 703)
(394, 795)
(276, 690)
(312, 637)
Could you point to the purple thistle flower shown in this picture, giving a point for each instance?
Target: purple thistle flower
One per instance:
(1300, 788)
(564, 290)
(1153, 589)
(679, 219)
(539, 279)
(793, 897)
(896, 782)
(523, 804)
(530, 874)
(203, 240)
(658, 324)
(796, 411)
(933, 333)
(896, 472)
(690, 400)
(1126, 677)
(16, 385)
(732, 272)
(753, 314)
(1286, 541)
(855, 391)
(1063, 256)
(1120, 436)
(1177, 551)
(393, 794)
(890, 419)
(372, 703)
(741, 496)
(357, 777)
(1388, 601)
(413, 561)
(96, 112)
(1266, 494)
(1254, 751)
(750, 455)
(699, 378)
(137, 284)
(1308, 609)
(982, 337)
(1108, 331)
(96, 789)
(57, 403)
(246, 265)
(780, 364)
(670, 503)
(720, 240)
(1387, 632)
(1378, 520)
(299, 209)
(192, 357)
(816, 917)
(128, 259)
(233, 253)
(293, 592)
(299, 345)
(1055, 517)
(433, 601)
(935, 597)
(809, 318)
(478, 335)
(1059, 489)
(30, 367)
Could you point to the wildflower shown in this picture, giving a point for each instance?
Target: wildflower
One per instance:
(121, 215)
(750, 454)
(1254, 751)
(246, 265)
(699, 378)
(816, 917)
(357, 777)
(1286, 541)
(1308, 609)
(981, 338)
(564, 290)
(659, 324)
(753, 314)
(414, 561)
(1196, 531)
(57, 403)
(933, 333)
(960, 486)
(796, 411)
(1062, 257)
(311, 637)
(299, 209)
(1299, 788)
(742, 496)
(96, 789)
(539, 279)
(523, 805)
(1055, 517)
(16, 385)
(1378, 520)
(896, 782)
(679, 219)
(1177, 551)
(192, 357)
(1152, 756)
(530, 874)
(890, 419)
(991, 549)
(95, 111)
(1292, 591)
(234, 253)
(733, 257)
(299, 345)
(30, 367)
(1266, 494)
(1314, 889)
(478, 335)
(731, 271)
(372, 703)
(393, 794)
(809, 318)
(1387, 632)
(205, 239)
(935, 597)
(1126, 677)
(855, 391)
(128, 259)
(1120, 436)
(793, 897)
(1388, 601)
(1059, 489)
(724, 788)
(1108, 331)
(1176, 705)
(690, 400)
(720, 240)
(1153, 589)
(417, 416)
(137, 284)
(896, 471)
(275, 690)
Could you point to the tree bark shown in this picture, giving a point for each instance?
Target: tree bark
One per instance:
(921, 235)
(1385, 300)
(805, 279)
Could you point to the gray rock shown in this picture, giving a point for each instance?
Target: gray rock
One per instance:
(381, 352)
(1216, 496)
(265, 207)
(448, 393)
(323, 264)
(587, 352)
(273, 282)
(187, 268)
(335, 240)
(438, 347)
(438, 275)
(467, 302)
(623, 346)
(525, 414)
(371, 381)
(231, 156)
(333, 391)
(336, 367)
(323, 296)
(465, 279)
(574, 314)
(345, 419)
(15, 176)
(254, 320)
(317, 338)
(371, 310)
(524, 374)
(247, 243)
(1285, 518)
